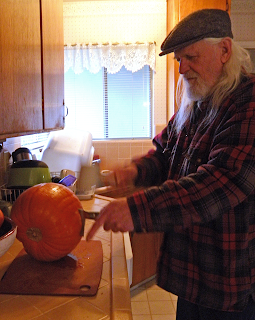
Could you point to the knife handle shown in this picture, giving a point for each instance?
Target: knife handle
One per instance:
(89, 214)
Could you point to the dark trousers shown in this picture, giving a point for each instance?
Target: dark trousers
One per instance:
(189, 311)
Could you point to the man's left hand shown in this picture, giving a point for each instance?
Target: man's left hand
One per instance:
(115, 216)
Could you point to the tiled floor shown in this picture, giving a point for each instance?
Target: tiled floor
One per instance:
(149, 302)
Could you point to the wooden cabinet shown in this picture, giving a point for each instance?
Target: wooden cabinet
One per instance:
(31, 66)
(176, 11)
(145, 248)
(188, 6)
(53, 64)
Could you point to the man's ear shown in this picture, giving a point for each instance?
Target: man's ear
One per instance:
(226, 49)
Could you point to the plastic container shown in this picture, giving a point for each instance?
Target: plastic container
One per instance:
(89, 179)
(68, 149)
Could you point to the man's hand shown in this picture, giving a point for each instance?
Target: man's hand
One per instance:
(115, 216)
(120, 177)
(126, 176)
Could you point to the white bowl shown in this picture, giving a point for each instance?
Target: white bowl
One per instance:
(8, 233)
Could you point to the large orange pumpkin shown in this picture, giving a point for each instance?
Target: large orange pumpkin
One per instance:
(48, 220)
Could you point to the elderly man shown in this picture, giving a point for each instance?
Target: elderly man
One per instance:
(199, 182)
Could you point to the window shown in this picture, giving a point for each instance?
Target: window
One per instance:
(110, 106)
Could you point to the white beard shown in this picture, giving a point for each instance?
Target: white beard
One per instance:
(197, 90)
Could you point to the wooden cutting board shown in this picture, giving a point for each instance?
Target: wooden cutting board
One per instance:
(78, 273)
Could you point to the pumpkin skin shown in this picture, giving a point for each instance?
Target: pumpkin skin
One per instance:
(48, 220)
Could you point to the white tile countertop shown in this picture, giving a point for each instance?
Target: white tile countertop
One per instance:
(112, 300)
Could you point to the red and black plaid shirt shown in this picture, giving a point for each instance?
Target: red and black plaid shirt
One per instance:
(200, 193)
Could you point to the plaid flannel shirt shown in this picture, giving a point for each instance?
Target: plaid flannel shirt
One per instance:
(200, 193)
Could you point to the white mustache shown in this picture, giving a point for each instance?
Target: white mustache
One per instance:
(189, 75)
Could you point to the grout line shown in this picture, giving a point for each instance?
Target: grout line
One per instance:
(145, 289)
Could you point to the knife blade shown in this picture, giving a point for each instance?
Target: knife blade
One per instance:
(89, 214)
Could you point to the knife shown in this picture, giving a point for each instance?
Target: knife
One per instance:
(87, 215)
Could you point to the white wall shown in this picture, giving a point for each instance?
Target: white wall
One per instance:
(243, 20)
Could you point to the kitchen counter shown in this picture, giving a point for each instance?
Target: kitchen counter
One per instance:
(112, 300)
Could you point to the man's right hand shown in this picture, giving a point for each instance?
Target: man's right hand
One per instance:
(120, 177)
(126, 176)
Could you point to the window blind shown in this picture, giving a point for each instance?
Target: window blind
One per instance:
(110, 106)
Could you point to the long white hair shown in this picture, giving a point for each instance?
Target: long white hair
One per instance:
(238, 65)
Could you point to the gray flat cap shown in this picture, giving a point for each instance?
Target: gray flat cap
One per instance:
(201, 24)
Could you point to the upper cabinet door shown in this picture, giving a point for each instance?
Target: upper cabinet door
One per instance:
(53, 63)
(20, 67)
(188, 6)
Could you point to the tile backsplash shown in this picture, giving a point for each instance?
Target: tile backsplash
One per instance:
(112, 153)
(118, 153)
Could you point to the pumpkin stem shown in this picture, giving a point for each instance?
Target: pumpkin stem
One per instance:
(34, 234)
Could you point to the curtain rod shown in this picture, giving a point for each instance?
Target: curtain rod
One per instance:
(107, 43)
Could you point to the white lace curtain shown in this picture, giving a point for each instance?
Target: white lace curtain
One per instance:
(111, 56)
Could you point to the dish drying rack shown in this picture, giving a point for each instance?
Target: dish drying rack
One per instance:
(11, 195)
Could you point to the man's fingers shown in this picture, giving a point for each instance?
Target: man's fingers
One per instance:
(98, 223)
(115, 216)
